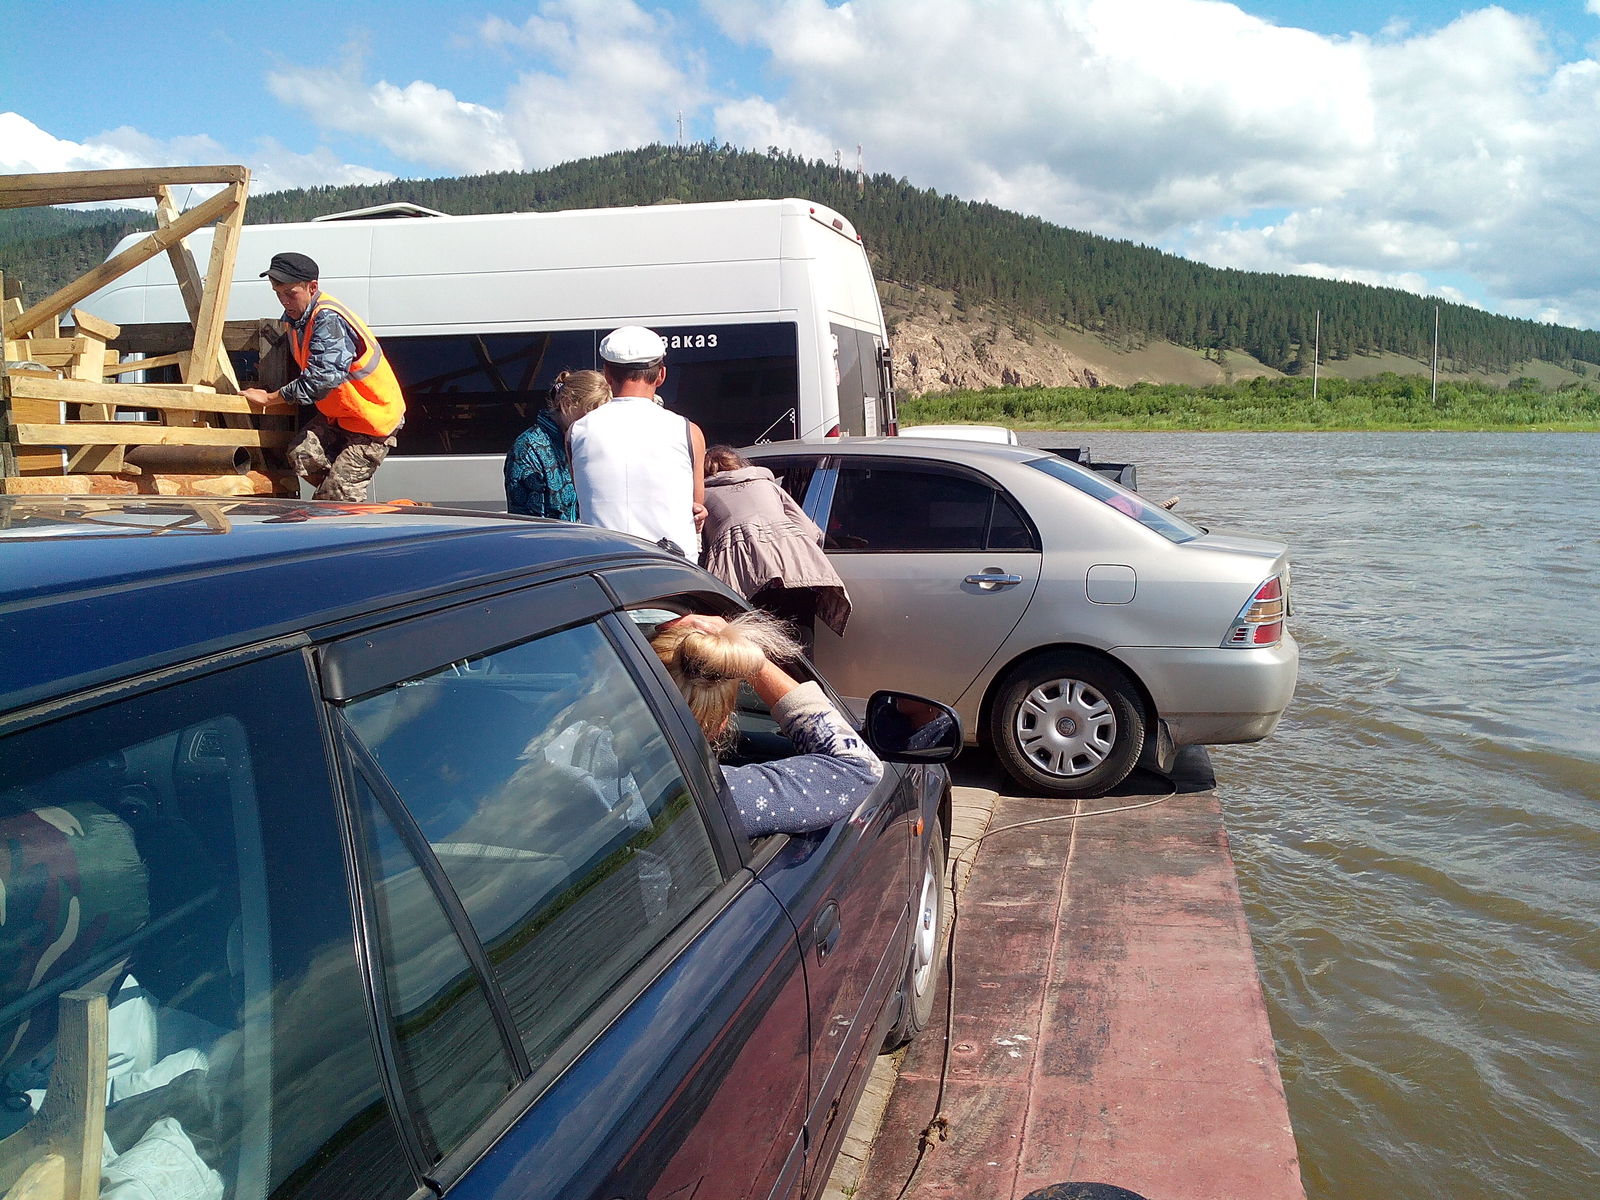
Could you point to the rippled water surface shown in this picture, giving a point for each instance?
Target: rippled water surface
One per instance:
(1419, 843)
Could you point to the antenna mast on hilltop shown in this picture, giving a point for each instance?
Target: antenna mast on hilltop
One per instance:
(861, 175)
(680, 128)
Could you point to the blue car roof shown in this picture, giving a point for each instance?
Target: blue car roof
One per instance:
(93, 590)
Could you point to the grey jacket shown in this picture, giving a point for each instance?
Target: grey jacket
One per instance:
(756, 536)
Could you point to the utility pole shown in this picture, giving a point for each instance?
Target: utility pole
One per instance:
(1316, 356)
(1435, 390)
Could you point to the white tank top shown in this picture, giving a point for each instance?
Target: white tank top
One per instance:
(633, 471)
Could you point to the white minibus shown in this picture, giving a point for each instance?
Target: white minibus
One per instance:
(769, 309)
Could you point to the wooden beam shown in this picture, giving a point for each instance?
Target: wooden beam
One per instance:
(58, 1152)
(147, 364)
(64, 298)
(27, 409)
(87, 323)
(71, 187)
(210, 362)
(87, 368)
(163, 396)
(170, 337)
(146, 433)
(183, 264)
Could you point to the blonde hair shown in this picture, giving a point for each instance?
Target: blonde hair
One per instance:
(708, 667)
(576, 394)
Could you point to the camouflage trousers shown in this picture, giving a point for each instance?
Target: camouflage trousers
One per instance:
(339, 463)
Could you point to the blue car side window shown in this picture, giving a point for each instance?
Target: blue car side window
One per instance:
(452, 1065)
(556, 811)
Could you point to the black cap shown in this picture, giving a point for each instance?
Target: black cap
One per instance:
(291, 268)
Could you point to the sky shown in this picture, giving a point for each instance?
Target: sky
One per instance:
(1450, 149)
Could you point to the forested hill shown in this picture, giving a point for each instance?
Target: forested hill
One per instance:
(986, 256)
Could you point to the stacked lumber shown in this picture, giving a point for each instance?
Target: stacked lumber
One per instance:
(71, 420)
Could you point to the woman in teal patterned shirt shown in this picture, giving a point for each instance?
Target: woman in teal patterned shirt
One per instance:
(537, 473)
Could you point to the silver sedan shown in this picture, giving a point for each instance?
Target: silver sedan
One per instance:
(1077, 629)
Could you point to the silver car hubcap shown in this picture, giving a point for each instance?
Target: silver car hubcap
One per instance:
(1065, 727)
(927, 936)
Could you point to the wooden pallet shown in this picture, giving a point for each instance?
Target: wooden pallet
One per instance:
(69, 415)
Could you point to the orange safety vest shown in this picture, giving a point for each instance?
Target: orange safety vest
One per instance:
(369, 400)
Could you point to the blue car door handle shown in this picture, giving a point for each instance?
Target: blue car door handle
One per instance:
(825, 931)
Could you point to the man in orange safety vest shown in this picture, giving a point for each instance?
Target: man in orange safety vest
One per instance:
(344, 373)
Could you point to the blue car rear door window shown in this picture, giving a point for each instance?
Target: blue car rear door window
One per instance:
(147, 848)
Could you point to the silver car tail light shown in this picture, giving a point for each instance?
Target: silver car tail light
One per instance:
(1260, 621)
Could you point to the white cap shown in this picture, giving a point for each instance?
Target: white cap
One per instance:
(633, 346)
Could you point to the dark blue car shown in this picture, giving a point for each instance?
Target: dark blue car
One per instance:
(364, 851)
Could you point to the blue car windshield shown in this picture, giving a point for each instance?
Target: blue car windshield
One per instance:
(1114, 495)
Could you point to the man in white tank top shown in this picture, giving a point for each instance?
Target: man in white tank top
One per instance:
(637, 467)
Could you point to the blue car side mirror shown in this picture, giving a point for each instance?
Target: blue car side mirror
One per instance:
(905, 728)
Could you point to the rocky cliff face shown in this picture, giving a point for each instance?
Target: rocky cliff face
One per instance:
(939, 353)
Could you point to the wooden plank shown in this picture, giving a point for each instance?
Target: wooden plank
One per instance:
(70, 1125)
(145, 433)
(190, 286)
(49, 345)
(163, 396)
(210, 362)
(182, 260)
(70, 187)
(87, 323)
(146, 364)
(38, 462)
(27, 409)
(64, 298)
(86, 368)
(169, 337)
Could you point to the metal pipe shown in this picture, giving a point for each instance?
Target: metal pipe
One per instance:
(189, 460)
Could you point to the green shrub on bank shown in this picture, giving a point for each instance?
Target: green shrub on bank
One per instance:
(1270, 403)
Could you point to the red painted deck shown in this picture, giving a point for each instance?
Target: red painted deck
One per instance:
(1109, 1024)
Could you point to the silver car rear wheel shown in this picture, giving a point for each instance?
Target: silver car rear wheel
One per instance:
(1065, 727)
(1068, 724)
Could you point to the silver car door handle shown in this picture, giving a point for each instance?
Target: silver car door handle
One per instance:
(993, 579)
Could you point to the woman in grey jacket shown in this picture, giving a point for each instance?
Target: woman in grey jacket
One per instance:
(761, 544)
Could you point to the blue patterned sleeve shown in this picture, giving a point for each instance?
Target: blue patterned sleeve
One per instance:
(525, 476)
(827, 781)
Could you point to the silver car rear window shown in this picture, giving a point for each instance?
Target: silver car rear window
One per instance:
(1114, 495)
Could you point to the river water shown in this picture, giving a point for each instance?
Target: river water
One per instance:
(1419, 842)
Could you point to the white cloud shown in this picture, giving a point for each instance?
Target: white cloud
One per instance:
(1140, 113)
(756, 124)
(24, 147)
(276, 168)
(1465, 149)
(420, 122)
(615, 76)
